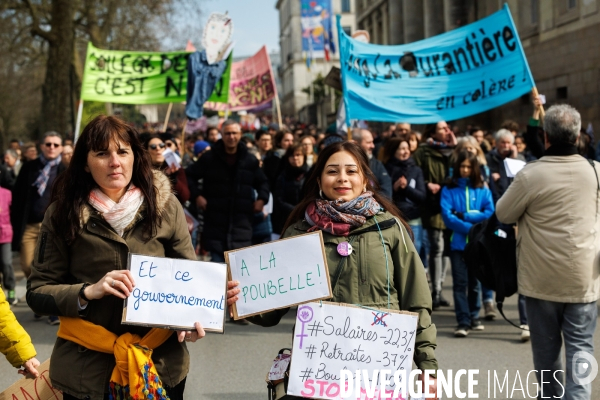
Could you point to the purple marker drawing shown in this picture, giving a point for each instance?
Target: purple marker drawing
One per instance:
(305, 315)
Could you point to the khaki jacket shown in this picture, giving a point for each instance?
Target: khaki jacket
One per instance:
(15, 343)
(555, 202)
(363, 278)
(59, 271)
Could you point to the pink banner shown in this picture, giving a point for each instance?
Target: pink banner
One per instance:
(252, 84)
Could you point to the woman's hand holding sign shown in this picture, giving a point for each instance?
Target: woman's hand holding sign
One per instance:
(118, 283)
(232, 292)
(191, 336)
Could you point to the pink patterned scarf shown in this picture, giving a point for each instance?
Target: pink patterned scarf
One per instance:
(338, 217)
(118, 215)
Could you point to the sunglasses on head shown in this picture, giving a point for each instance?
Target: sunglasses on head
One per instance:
(154, 146)
(51, 144)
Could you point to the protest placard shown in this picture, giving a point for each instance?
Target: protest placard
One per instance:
(133, 77)
(28, 388)
(279, 274)
(332, 337)
(462, 72)
(251, 84)
(174, 293)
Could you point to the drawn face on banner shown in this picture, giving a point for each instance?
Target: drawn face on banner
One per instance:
(217, 36)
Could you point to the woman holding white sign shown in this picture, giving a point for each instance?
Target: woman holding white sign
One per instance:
(108, 203)
(371, 257)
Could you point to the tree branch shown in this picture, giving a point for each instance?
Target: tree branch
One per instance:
(35, 28)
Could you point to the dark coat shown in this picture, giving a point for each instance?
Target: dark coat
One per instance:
(385, 183)
(7, 177)
(409, 198)
(435, 170)
(23, 194)
(272, 166)
(287, 194)
(230, 196)
(496, 164)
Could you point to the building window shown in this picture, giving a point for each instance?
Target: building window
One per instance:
(535, 12)
(345, 6)
(568, 11)
(347, 30)
(561, 93)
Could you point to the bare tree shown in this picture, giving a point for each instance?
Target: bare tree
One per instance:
(58, 32)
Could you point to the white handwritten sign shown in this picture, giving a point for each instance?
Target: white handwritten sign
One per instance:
(175, 293)
(279, 274)
(332, 337)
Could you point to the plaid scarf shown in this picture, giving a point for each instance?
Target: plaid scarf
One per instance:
(338, 217)
(42, 180)
(118, 215)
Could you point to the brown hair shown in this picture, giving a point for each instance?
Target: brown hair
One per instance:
(290, 152)
(72, 188)
(311, 187)
(510, 125)
(412, 134)
(390, 147)
(475, 178)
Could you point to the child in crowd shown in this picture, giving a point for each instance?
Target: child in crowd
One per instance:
(15, 343)
(6, 235)
(465, 202)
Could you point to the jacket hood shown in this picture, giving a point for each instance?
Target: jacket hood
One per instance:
(163, 192)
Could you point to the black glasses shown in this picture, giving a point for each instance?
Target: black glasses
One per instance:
(51, 144)
(169, 144)
(154, 146)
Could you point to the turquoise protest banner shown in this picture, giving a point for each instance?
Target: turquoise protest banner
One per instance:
(463, 72)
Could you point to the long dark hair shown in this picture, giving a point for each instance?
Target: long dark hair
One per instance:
(311, 187)
(475, 179)
(72, 188)
(390, 147)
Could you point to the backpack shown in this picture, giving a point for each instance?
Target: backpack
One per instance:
(492, 257)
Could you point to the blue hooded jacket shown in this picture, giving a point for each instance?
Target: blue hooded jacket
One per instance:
(480, 208)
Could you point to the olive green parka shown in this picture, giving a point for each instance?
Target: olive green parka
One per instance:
(363, 277)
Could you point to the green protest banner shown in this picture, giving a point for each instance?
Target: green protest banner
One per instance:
(131, 77)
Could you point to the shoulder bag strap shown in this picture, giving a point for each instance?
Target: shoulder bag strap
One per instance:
(598, 187)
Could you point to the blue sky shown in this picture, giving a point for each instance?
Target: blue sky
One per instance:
(255, 23)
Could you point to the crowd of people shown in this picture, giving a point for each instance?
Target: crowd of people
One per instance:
(415, 194)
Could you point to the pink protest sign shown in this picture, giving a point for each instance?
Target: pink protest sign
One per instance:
(251, 84)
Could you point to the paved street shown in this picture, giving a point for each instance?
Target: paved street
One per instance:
(233, 366)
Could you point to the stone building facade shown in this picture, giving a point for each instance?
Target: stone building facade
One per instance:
(561, 39)
(293, 72)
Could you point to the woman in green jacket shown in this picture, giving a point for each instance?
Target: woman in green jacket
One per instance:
(342, 201)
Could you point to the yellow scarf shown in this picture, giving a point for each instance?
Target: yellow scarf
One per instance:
(134, 376)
